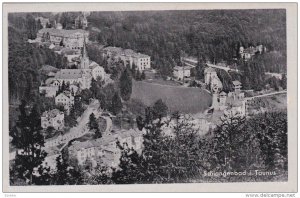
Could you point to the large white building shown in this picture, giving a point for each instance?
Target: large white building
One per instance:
(128, 56)
(53, 118)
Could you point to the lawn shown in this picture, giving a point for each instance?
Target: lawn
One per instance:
(183, 99)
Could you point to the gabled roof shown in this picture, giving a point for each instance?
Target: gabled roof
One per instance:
(236, 83)
(181, 68)
(51, 114)
(209, 70)
(62, 32)
(69, 74)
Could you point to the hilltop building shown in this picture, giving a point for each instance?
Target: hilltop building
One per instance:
(247, 53)
(53, 118)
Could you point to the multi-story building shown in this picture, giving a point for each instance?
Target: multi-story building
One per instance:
(128, 56)
(72, 39)
(53, 118)
(66, 100)
(141, 61)
(232, 103)
(211, 78)
(105, 150)
(81, 77)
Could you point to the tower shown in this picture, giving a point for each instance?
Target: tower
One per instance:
(84, 63)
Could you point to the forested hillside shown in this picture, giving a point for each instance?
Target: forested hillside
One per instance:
(24, 59)
(213, 35)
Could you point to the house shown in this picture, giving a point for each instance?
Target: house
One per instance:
(105, 150)
(53, 118)
(72, 39)
(97, 71)
(211, 79)
(182, 72)
(247, 53)
(237, 85)
(232, 103)
(66, 100)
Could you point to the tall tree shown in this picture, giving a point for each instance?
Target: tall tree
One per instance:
(27, 138)
(116, 105)
(126, 85)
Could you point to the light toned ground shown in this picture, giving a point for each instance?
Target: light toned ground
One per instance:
(178, 98)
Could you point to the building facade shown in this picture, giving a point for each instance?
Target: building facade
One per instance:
(53, 118)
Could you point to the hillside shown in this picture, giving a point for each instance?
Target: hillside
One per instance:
(206, 34)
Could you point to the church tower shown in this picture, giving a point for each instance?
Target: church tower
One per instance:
(84, 63)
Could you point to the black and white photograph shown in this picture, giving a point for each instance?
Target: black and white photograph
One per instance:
(182, 96)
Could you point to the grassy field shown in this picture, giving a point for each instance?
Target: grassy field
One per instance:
(183, 99)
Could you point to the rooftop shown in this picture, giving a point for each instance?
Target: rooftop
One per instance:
(69, 74)
(209, 70)
(180, 68)
(52, 113)
(236, 83)
(62, 32)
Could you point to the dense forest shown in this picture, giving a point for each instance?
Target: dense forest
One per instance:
(213, 35)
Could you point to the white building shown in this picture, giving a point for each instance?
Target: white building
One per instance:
(53, 118)
(128, 56)
(141, 61)
(182, 72)
(66, 100)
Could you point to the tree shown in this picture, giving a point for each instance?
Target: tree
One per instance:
(284, 81)
(126, 85)
(143, 76)
(93, 125)
(160, 109)
(27, 137)
(116, 105)
(65, 175)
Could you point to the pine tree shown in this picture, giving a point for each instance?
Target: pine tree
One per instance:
(116, 106)
(27, 138)
(126, 85)
(159, 109)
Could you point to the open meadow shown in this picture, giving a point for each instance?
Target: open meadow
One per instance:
(184, 99)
